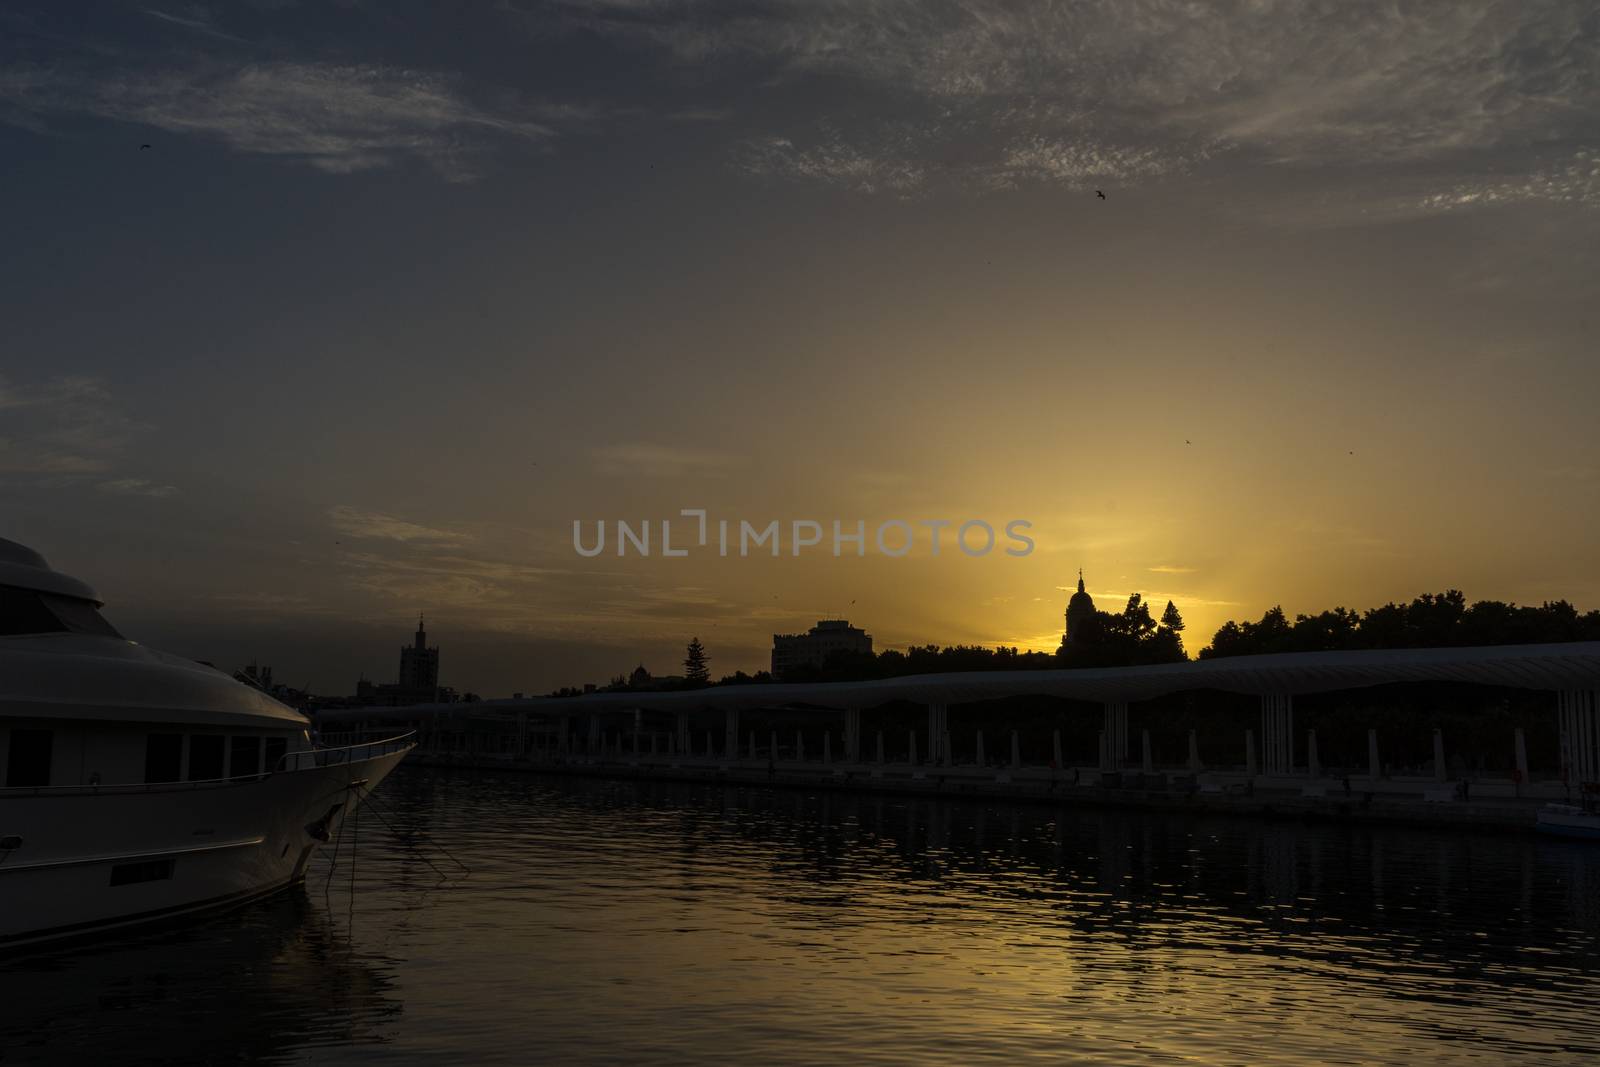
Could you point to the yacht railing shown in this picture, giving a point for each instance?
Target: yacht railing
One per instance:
(304, 760)
(307, 759)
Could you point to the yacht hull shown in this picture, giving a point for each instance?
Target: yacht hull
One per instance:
(1580, 825)
(94, 860)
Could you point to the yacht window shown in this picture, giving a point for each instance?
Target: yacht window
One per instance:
(244, 756)
(78, 616)
(205, 757)
(28, 758)
(276, 747)
(28, 611)
(163, 758)
(22, 611)
(144, 871)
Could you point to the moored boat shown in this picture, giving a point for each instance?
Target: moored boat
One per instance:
(140, 786)
(1568, 820)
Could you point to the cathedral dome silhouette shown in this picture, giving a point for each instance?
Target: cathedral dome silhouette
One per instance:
(1080, 607)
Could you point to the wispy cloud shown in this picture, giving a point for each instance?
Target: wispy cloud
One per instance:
(198, 25)
(137, 487)
(640, 459)
(378, 526)
(337, 118)
(1007, 92)
(1166, 569)
(832, 161)
(65, 426)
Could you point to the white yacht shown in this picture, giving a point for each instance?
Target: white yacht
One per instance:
(140, 786)
(1569, 820)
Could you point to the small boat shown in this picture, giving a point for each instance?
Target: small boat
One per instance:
(1568, 820)
(140, 786)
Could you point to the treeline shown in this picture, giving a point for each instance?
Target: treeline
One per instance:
(919, 659)
(1135, 637)
(1443, 620)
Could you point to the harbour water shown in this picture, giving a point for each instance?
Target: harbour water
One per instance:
(640, 922)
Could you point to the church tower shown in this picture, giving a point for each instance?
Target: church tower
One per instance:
(1080, 607)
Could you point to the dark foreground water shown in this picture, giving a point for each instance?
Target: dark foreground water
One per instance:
(613, 922)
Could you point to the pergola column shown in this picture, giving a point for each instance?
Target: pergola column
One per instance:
(730, 740)
(852, 735)
(938, 724)
(682, 745)
(1114, 738)
(1580, 735)
(1277, 733)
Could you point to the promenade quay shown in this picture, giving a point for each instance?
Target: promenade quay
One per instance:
(1488, 806)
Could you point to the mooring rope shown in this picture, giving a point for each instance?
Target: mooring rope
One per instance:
(368, 796)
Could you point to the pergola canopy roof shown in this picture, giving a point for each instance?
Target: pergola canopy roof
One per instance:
(1574, 665)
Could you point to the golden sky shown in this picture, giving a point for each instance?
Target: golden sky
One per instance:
(379, 315)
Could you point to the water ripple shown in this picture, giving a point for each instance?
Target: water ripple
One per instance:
(650, 923)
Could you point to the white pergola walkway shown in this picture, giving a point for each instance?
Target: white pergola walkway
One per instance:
(1570, 670)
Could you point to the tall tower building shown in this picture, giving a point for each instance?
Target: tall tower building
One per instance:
(419, 664)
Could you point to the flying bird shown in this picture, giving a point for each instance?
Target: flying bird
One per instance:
(143, 147)
(1187, 441)
(1101, 195)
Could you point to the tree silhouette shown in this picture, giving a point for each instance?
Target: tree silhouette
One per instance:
(1128, 638)
(696, 670)
(1433, 620)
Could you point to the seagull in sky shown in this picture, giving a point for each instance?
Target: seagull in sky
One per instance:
(143, 147)
(1101, 195)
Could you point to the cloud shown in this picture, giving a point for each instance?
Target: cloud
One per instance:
(700, 114)
(199, 25)
(137, 487)
(1164, 569)
(1573, 180)
(65, 426)
(336, 118)
(995, 93)
(378, 526)
(833, 162)
(661, 461)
